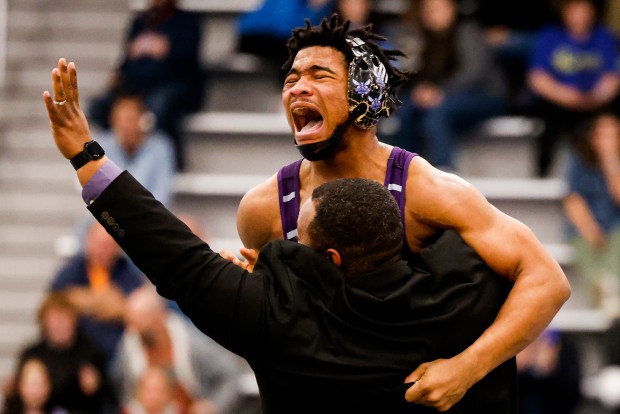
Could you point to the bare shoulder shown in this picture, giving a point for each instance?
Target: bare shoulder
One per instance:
(258, 216)
(442, 200)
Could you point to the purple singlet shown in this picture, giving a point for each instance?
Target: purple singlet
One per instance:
(288, 188)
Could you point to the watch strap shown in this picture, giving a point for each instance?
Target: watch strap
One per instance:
(92, 151)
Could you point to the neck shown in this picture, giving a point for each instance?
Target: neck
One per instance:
(362, 155)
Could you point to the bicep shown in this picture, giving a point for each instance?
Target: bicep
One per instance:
(499, 240)
(504, 243)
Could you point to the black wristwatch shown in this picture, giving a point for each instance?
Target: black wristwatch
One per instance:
(92, 151)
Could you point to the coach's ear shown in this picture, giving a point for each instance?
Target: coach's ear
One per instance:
(333, 256)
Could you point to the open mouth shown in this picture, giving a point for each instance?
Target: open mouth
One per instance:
(307, 120)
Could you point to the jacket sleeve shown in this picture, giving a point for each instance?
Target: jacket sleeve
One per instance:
(223, 300)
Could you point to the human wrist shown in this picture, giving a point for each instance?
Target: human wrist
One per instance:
(474, 366)
(86, 172)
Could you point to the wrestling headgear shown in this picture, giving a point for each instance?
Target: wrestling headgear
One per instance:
(369, 91)
(369, 98)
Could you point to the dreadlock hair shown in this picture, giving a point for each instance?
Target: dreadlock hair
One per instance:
(333, 32)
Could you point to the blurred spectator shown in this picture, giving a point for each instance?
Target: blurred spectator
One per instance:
(549, 375)
(359, 12)
(593, 208)
(33, 391)
(207, 374)
(134, 145)
(612, 15)
(511, 27)
(455, 87)
(574, 72)
(265, 30)
(76, 367)
(154, 394)
(162, 62)
(96, 282)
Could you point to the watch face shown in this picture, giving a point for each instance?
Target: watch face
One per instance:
(94, 149)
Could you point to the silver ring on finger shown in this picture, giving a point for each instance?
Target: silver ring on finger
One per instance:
(60, 103)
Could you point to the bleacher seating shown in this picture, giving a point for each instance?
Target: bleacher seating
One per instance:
(237, 141)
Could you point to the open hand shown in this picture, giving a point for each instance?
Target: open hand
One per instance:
(68, 122)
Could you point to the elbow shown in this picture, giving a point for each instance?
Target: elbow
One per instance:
(566, 292)
(562, 289)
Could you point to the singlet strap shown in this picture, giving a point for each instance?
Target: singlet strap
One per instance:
(396, 176)
(288, 189)
(288, 198)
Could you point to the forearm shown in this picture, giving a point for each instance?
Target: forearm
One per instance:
(606, 88)
(207, 287)
(581, 217)
(546, 87)
(533, 301)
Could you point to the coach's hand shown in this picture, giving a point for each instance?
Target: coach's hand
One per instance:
(439, 384)
(250, 256)
(69, 125)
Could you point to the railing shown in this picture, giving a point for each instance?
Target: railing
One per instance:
(4, 11)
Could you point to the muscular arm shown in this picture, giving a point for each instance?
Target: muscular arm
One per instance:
(184, 268)
(548, 88)
(444, 201)
(258, 216)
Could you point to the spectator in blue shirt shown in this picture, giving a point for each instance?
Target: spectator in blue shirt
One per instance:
(161, 60)
(573, 72)
(136, 146)
(97, 281)
(265, 30)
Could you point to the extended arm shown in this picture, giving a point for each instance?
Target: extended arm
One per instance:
(510, 249)
(183, 267)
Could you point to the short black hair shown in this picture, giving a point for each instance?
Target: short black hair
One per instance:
(333, 32)
(360, 219)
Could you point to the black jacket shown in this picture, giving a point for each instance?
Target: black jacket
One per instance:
(316, 340)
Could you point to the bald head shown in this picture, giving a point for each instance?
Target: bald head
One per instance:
(144, 309)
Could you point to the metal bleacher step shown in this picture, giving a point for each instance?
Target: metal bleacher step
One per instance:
(240, 6)
(207, 6)
(493, 188)
(238, 123)
(38, 79)
(85, 24)
(21, 274)
(536, 202)
(87, 55)
(500, 147)
(582, 320)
